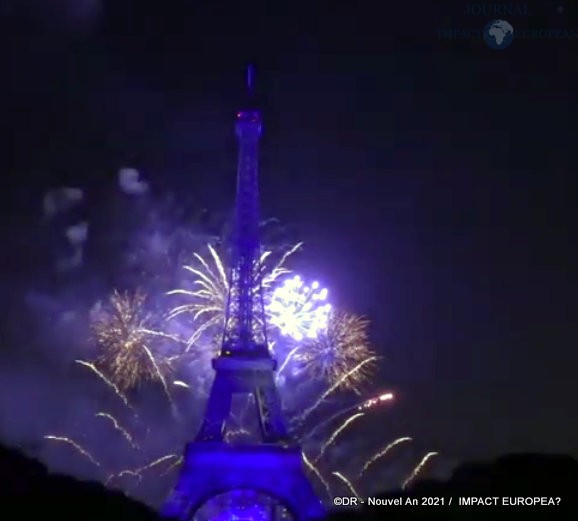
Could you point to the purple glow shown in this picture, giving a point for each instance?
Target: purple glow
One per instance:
(220, 482)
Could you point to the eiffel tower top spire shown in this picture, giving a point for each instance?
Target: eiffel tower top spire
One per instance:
(250, 76)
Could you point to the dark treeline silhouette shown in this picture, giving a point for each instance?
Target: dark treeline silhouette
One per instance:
(28, 489)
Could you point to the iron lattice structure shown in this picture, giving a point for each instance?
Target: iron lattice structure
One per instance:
(273, 467)
(244, 333)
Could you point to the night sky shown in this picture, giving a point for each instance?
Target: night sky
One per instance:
(432, 181)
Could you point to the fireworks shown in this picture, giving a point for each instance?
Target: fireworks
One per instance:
(337, 432)
(360, 406)
(297, 310)
(77, 447)
(315, 471)
(138, 473)
(347, 483)
(381, 453)
(322, 353)
(118, 427)
(418, 469)
(207, 300)
(336, 350)
(124, 334)
(337, 385)
(104, 379)
(372, 402)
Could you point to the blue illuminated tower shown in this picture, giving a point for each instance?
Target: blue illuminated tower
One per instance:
(264, 481)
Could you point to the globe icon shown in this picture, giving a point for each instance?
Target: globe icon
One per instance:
(498, 34)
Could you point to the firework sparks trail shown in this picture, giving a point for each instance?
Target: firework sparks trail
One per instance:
(138, 473)
(343, 344)
(336, 386)
(172, 466)
(126, 435)
(347, 482)
(180, 383)
(76, 446)
(359, 406)
(372, 402)
(287, 359)
(419, 467)
(121, 474)
(161, 334)
(205, 326)
(381, 453)
(160, 377)
(122, 332)
(211, 289)
(209, 300)
(213, 292)
(336, 433)
(110, 384)
(156, 462)
(318, 474)
(269, 276)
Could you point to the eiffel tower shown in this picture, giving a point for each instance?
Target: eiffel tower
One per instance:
(263, 481)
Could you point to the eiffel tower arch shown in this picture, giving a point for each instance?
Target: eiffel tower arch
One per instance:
(264, 481)
(252, 482)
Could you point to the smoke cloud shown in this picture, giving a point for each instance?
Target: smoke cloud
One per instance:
(85, 248)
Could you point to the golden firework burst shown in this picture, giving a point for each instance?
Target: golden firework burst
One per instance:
(123, 331)
(341, 347)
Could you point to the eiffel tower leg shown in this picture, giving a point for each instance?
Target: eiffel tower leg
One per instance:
(217, 410)
(269, 412)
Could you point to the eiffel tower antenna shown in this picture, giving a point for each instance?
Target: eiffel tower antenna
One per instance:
(250, 78)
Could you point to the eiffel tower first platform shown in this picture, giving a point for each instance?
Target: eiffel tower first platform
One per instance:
(263, 481)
